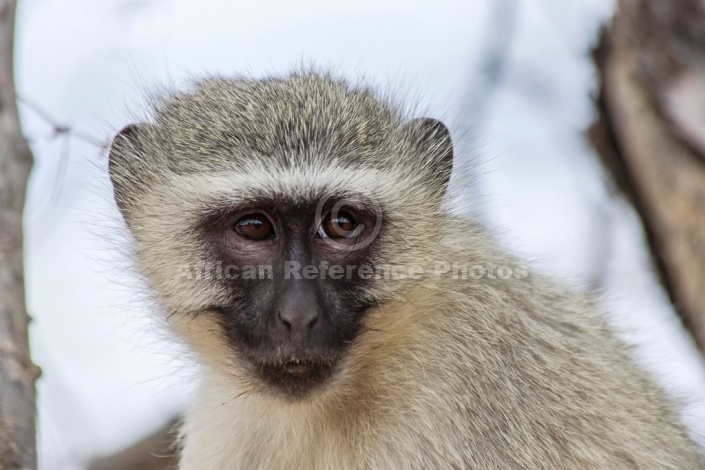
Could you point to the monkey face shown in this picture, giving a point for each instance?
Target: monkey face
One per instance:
(256, 211)
(297, 296)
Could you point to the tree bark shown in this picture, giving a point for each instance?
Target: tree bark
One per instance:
(650, 135)
(17, 372)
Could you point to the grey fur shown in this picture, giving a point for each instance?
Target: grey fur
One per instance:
(492, 373)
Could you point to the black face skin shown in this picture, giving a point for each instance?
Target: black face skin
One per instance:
(290, 327)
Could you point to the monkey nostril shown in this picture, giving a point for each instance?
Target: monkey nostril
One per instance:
(286, 322)
(312, 322)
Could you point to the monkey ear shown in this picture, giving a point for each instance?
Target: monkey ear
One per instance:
(126, 163)
(434, 143)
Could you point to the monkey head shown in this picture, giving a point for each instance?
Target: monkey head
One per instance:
(261, 211)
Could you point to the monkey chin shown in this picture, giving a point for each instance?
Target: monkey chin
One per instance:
(294, 379)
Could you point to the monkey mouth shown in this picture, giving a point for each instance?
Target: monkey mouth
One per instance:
(297, 367)
(294, 377)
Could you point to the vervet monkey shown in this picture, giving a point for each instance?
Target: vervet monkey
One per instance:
(293, 232)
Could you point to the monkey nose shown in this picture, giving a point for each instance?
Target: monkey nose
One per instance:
(298, 311)
(298, 322)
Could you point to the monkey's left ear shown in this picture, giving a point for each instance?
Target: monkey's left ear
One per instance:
(433, 141)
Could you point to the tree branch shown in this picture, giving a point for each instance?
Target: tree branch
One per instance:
(650, 135)
(17, 372)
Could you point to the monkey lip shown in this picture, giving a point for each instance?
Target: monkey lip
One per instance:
(296, 367)
(295, 377)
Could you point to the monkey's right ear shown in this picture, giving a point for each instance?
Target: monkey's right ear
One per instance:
(432, 140)
(127, 166)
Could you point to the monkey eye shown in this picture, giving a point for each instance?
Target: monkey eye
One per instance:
(341, 226)
(254, 227)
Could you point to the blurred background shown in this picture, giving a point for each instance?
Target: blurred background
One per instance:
(512, 78)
